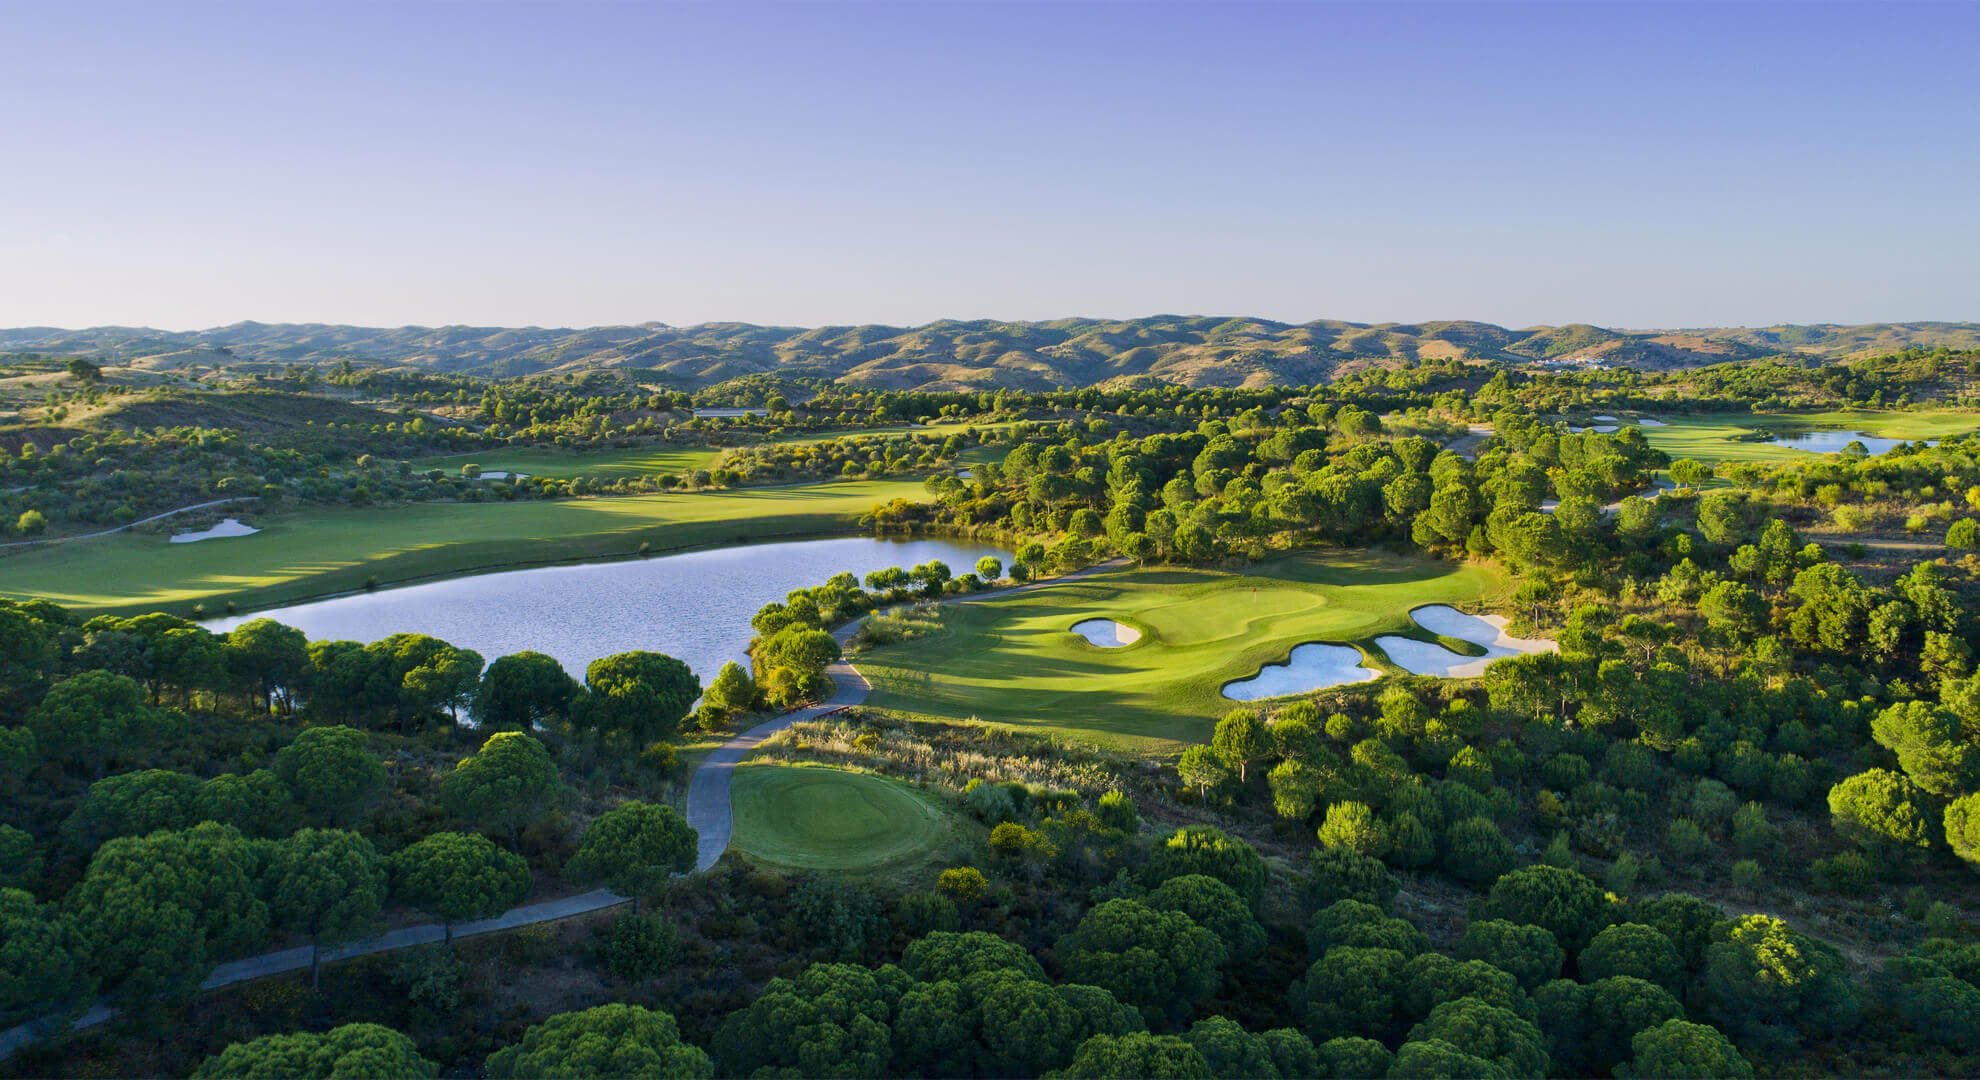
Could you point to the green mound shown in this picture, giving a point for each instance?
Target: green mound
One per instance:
(827, 819)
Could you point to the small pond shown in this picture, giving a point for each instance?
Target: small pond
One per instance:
(1106, 633)
(695, 606)
(1832, 442)
(1313, 666)
(1427, 658)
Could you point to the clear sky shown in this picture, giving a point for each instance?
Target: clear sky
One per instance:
(184, 165)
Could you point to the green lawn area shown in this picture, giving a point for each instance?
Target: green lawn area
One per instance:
(1014, 661)
(611, 462)
(316, 552)
(1714, 438)
(616, 461)
(820, 818)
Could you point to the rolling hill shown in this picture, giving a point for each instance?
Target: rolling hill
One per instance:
(951, 354)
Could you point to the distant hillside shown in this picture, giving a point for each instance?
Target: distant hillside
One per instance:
(1196, 351)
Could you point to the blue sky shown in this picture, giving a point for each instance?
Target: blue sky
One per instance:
(184, 165)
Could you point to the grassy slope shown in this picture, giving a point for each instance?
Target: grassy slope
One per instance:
(1710, 438)
(317, 552)
(552, 461)
(820, 818)
(1015, 662)
(636, 460)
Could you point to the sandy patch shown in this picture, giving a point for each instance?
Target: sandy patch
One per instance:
(1313, 666)
(1424, 658)
(1106, 633)
(228, 527)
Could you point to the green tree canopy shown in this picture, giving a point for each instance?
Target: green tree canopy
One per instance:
(132, 804)
(1563, 902)
(1882, 811)
(633, 848)
(507, 784)
(1931, 747)
(350, 1052)
(94, 716)
(1769, 985)
(457, 878)
(1135, 1056)
(329, 886)
(616, 1040)
(1162, 962)
(1350, 991)
(1214, 906)
(1240, 739)
(155, 912)
(1203, 849)
(830, 1021)
(732, 689)
(263, 656)
(1633, 949)
(952, 957)
(257, 804)
(42, 969)
(332, 773)
(637, 698)
(1682, 1050)
(523, 691)
(1529, 953)
(1486, 1031)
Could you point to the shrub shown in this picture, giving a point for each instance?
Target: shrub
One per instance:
(962, 884)
(1338, 874)
(641, 946)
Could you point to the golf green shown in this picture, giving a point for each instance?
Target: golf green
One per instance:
(817, 818)
(1014, 661)
(1718, 437)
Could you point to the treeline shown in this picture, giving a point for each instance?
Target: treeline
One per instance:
(177, 799)
(1262, 480)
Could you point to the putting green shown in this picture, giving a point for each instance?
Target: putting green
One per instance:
(311, 553)
(1014, 661)
(816, 818)
(1716, 437)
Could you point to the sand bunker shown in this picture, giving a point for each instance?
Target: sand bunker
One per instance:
(1313, 666)
(1647, 422)
(1424, 658)
(1107, 633)
(229, 527)
(1606, 420)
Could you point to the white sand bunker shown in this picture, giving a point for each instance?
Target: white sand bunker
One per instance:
(229, 527)
(1647, 422)
(1424, 658)
(1107, 633)
(1606, 419)
(1313, 666)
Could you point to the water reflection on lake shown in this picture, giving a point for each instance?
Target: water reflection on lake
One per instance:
(695, 606)
(1832, 442)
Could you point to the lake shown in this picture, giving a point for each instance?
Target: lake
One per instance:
(694, 606)
(1832, 442)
